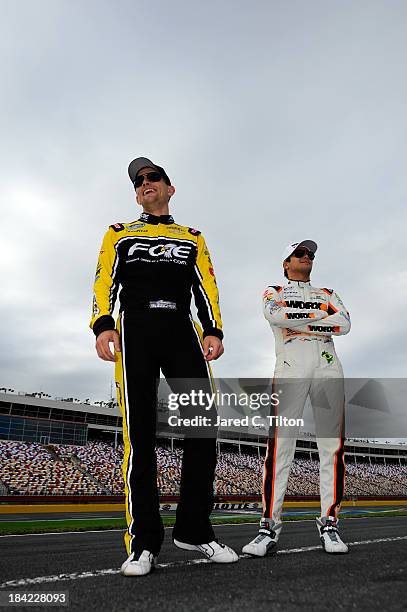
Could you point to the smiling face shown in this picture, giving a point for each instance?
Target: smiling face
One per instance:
(153, 196)
(298, 268)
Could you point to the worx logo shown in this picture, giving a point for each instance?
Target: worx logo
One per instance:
(320, 328)
(302, 305)
(167, 251)
(299, 315)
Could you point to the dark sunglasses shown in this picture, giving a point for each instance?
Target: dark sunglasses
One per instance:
(153, 177)
(303, 251)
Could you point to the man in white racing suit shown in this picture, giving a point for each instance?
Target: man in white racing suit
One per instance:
(304, 320)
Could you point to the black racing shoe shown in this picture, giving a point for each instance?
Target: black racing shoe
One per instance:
(266, 539)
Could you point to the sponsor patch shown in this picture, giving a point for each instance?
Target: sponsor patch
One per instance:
(327, 356)
(163, 304)
(167, 251)
(135, 226)
(194, 231)
(303, 305)
(299, 315)
(117, 227)
(324, 329)
(176, 230)
(206, 253)
(95, 307)
(273, 305)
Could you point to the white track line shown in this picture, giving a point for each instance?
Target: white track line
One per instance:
(45, 533)
(76, 575)
(305, 520)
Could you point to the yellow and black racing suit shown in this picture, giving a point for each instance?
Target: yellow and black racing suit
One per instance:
(158, 265)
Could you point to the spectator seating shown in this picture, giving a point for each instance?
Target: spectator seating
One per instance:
(96, 469)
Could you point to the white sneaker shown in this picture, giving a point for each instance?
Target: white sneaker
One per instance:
(329, 535)
(139, 567)
(266, 539)
(216, 552)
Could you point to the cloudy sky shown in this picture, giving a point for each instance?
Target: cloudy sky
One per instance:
(276, 120)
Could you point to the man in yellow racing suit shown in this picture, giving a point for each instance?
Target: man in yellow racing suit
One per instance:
(158, 264)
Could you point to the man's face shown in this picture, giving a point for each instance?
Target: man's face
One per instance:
(151, 194)
(302, 264)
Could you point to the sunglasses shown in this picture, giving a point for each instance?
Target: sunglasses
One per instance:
(303, 251)
(153, 177)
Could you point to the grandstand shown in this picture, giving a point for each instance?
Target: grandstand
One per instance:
(53, 448)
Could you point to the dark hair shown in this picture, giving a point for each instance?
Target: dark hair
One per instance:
(285, 271)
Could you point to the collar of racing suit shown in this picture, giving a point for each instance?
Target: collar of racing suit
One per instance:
(299, 283)
(156, 219)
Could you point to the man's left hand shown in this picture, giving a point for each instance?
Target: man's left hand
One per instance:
(212, 348)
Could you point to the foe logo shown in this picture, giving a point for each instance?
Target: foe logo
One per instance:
(168, 251)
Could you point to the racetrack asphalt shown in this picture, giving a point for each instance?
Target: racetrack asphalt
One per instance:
(299, 577)
(253, 514)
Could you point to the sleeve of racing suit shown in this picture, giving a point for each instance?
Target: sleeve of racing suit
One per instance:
(337, 323)
(206, 293)
(278, 314)
(105, 286)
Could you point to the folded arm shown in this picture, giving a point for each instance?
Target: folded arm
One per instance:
(279, 314)
(337, 323)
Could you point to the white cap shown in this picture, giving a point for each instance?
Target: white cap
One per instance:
(308, 244)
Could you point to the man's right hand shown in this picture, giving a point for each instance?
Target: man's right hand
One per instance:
(103, 345)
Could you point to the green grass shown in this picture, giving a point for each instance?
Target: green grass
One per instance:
(18, 527)
(47, 526)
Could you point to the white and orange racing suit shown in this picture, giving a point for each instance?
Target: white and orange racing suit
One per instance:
(304, 319)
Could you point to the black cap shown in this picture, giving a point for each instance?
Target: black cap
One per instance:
(142, 162)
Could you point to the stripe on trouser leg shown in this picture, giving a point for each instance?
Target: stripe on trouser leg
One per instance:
(269, 476)
(199, 337)
(121, 378)
(339, 479)
(269, 470)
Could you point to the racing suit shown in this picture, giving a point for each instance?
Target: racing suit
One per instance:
(304, 319)
(158, 263)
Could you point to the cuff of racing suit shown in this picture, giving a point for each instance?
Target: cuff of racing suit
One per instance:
(213, 331)
(105, 323)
